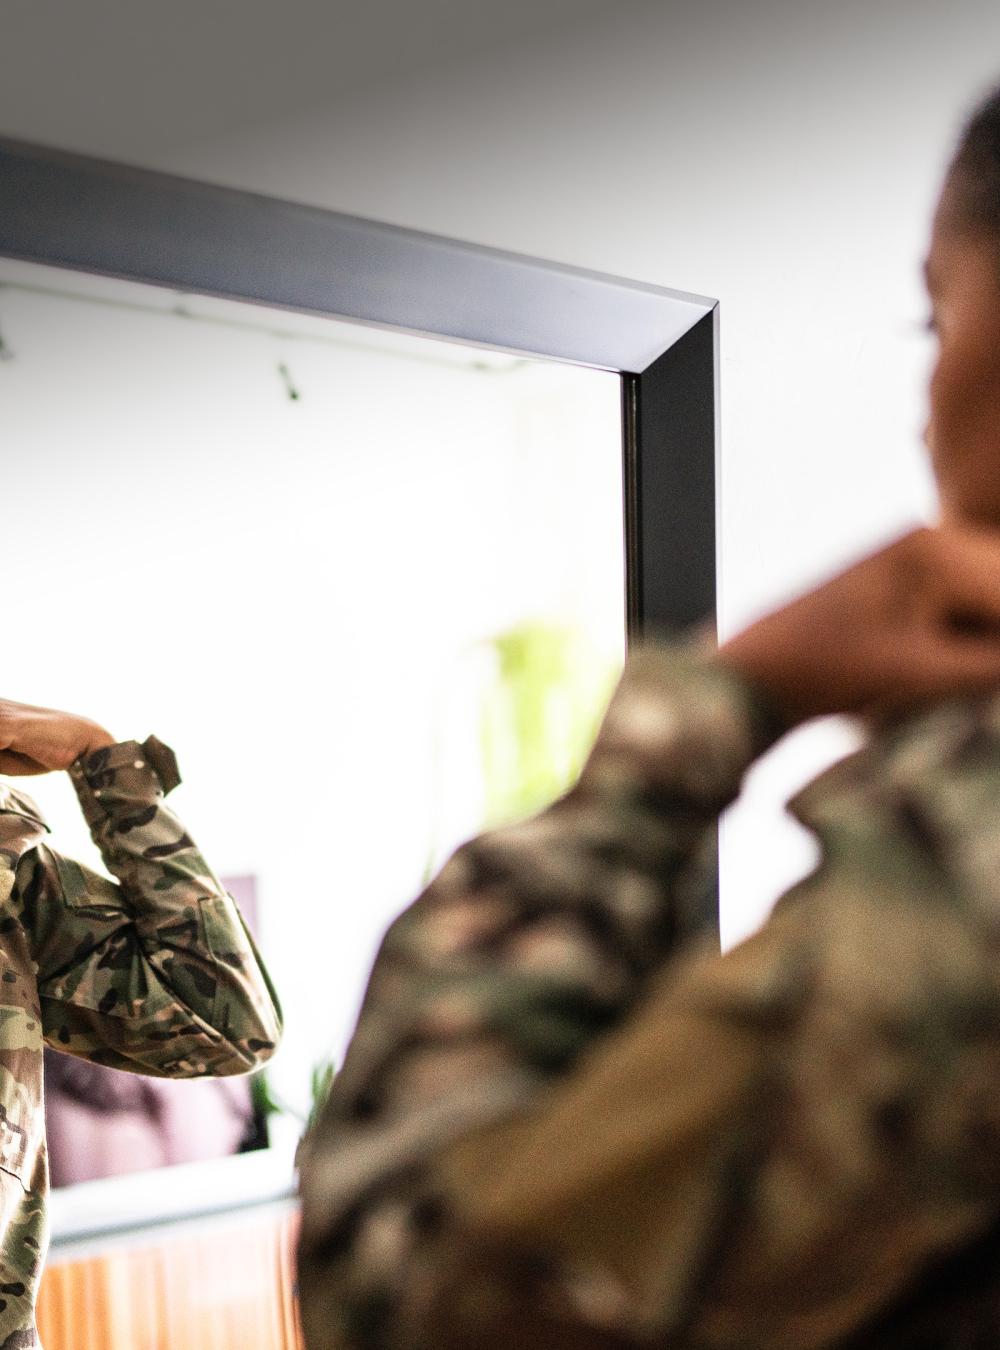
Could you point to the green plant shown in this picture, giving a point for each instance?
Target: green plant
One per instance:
(545, 691)
(320, 1082)
(539, 716)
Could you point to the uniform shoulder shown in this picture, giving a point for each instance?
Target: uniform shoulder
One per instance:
(928, 746)
(17, 803)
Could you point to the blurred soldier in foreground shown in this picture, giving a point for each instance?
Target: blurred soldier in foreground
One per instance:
(154, 973)
(566, 1123)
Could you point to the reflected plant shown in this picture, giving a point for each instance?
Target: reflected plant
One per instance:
(265, 1104)
(321, 1079)
(320, 1082)
(539, 716)
(544, 692)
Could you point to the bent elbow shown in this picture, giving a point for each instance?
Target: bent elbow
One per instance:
(249, 1020)
(252, 1050)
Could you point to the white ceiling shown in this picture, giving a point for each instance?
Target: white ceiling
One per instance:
(132, 77)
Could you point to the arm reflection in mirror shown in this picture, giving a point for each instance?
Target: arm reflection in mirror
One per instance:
(301, 580)
(153, 971)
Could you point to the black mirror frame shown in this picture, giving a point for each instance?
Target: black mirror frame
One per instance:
(72, 211)
(90, 215)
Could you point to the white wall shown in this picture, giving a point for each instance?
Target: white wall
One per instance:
(782, 156)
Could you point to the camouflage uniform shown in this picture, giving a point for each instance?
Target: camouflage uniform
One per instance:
(156, 974)
(565, 1121)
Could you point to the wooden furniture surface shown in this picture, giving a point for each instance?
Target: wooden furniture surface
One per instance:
(224, 1283)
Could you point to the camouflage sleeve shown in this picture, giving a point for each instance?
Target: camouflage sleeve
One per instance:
(157, 973)
(533, 943)
(794, 1144)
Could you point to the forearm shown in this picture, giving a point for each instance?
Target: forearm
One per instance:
(778, 1144)
(548, 928)
(159, 969)
(534, 941)
(516, 924)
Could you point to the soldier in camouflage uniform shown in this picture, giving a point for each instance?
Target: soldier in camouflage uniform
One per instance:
(155, 973)
(565, 1122)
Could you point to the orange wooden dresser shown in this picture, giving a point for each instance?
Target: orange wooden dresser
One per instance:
(221, 1283)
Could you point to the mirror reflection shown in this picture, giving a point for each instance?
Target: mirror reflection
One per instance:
(369, 587)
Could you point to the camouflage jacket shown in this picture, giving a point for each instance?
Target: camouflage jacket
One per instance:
(156, 974)
(567, 1122)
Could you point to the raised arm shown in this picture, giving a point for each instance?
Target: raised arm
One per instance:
(476, 1182)
(534, 941)
(154, 972)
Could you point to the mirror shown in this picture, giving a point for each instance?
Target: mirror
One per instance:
(299, 552)
(335, 565)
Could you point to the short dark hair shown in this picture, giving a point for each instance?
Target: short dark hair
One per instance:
(974, 176)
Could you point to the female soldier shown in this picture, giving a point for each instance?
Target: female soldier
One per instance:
(564, 1121)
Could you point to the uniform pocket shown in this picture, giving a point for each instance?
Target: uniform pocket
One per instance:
(86, 891)
(21, 1122)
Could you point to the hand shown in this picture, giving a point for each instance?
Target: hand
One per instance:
(38, 740)
(917, 621)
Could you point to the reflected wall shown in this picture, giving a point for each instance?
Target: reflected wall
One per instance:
(288, 546)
